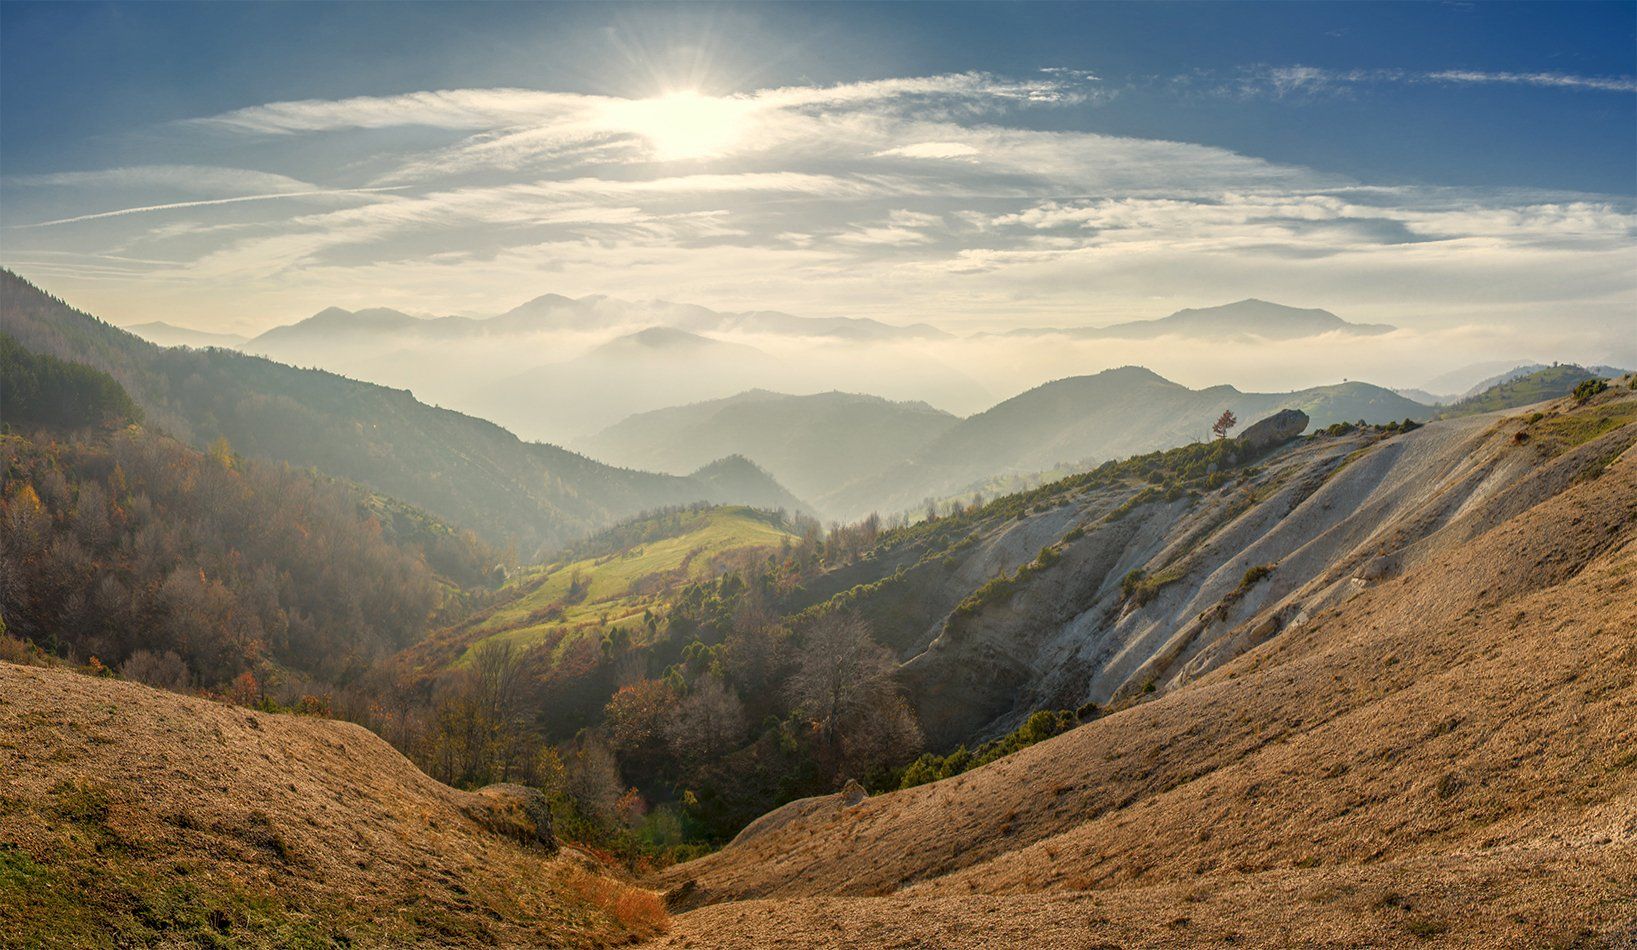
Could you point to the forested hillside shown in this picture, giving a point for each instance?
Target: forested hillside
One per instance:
(468, 471)
(186, 569)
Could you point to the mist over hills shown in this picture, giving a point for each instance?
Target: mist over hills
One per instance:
(560, 369)
(556, 368)
(165, 334)
(628, 374)
(470, 471)
(1250, 317)
(851, 454)
(599, 312)
(812, 444)
(592, 314)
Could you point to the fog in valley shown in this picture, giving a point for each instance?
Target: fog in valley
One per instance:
(565, 385)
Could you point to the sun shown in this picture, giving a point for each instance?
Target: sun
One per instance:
(686, 124)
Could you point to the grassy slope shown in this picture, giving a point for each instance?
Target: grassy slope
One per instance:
(135, 817)
(621, 586)
(1549, 383)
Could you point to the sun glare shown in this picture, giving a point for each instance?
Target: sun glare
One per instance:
(686, 124)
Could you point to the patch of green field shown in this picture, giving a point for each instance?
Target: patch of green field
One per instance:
(1539, 386)
(1583, 425)
(617, 590)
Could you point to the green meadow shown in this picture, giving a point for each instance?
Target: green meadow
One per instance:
(624, 589)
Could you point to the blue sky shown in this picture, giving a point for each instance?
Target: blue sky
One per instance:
(977, 165)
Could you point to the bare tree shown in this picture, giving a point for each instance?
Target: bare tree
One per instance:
(591, 776)
(844, 687)
(164, 670)
(1223, 423)
(708, 722)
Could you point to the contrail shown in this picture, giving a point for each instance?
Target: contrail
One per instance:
(206, 202)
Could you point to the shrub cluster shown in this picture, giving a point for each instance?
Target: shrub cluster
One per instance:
(1138, 587)
(1040, 726)
(1588, 388)
(1003, 585)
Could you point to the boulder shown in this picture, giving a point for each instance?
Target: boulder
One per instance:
(1281, 427)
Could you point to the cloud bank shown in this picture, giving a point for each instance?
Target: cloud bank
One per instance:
(953, 199)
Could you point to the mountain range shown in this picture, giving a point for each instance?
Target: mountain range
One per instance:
(1087, 419)
(559, 369)
(854, 454)
(554, 313)
(1368, 684)
(469, 471)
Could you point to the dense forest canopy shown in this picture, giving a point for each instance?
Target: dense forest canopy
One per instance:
(46, 391)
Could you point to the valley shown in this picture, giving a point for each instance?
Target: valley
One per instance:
(731, 476)
(670, 695)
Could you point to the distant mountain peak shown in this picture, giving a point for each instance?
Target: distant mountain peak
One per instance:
(1132, 371)
(1257, 308)
(544, 300)
(1252, 317)
(665, 338)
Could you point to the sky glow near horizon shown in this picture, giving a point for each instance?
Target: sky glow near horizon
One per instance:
(719, 156)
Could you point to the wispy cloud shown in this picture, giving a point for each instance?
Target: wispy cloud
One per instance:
(512, 107)
(446, 109)
(1285, 81)
(1548, 80)
(205, 203)
(930, 150)
(211, 179)
(903, 198)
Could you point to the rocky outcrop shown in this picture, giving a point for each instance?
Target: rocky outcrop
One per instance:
(516, 811)
(1281, 427)
(1338, 514)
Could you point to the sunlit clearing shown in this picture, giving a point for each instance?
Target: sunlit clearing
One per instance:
(682, 125)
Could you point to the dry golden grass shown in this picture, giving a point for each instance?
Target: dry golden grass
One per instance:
(1447, 757)
(640, 911)
(134, 817)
